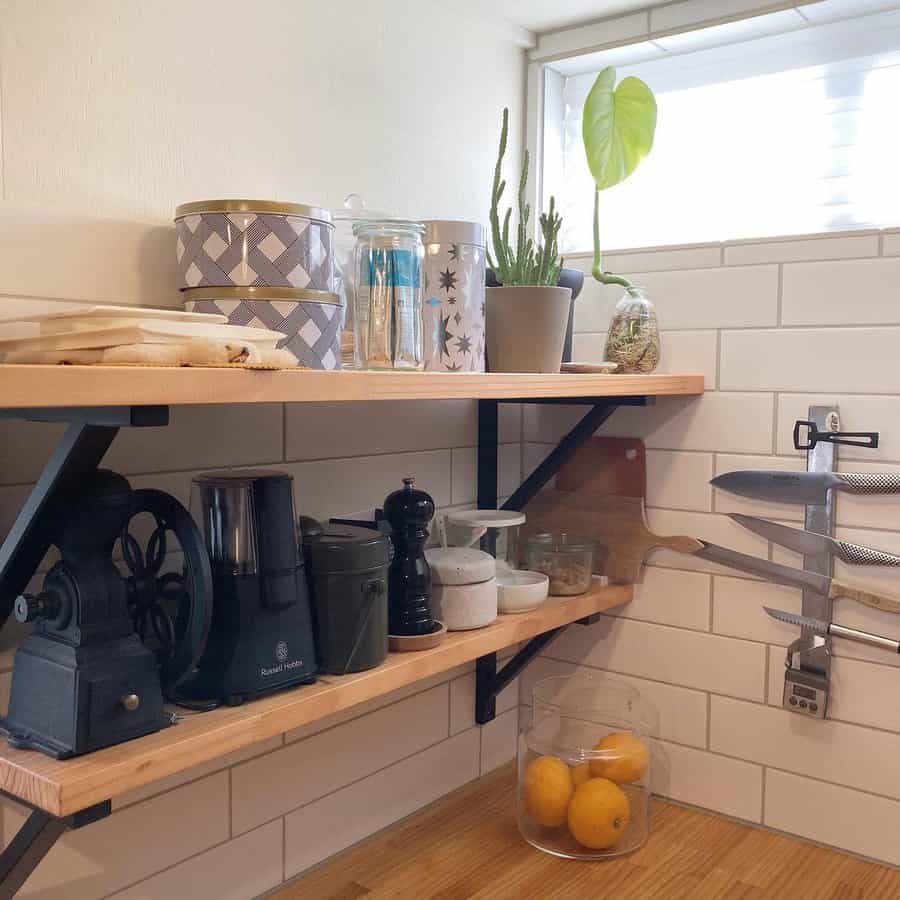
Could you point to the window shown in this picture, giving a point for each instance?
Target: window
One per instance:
(783, 124)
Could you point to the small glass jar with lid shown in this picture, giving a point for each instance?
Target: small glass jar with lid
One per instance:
(389, 329)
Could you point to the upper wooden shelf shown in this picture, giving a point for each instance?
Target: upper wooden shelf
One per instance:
(24, 386)
(62, 787)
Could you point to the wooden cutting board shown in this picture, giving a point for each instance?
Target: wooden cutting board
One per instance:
(599, 493)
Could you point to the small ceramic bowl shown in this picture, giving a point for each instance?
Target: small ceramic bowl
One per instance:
(520, 591)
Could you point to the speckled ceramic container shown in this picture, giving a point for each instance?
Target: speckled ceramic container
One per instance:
(310, 320)
(258, 243)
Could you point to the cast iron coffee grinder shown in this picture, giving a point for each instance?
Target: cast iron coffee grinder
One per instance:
(408, 512)
(106, 645)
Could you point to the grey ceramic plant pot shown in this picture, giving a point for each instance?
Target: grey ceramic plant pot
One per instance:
(569, 278)
(525, 328)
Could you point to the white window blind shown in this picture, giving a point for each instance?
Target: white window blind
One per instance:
(787, 133)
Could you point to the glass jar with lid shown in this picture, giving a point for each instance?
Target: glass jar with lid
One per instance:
(389, 329)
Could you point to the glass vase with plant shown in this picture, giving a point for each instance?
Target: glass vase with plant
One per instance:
(618, 126)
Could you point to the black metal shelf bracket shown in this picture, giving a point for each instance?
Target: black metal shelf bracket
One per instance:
(89, 435)
(489, 682)
(34, 840)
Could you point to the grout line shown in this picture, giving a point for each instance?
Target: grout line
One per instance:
(708, 720)
(776, 396)
(283, 849)
(711, 600)
(762, 799)
(361, 778)
(767, 670)
(718, 359)
(780, 294)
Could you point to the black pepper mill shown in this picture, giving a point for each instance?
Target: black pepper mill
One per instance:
(408, 512)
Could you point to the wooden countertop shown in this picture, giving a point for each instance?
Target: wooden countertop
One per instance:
(468, 846)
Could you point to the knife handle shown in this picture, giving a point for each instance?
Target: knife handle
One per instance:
(864, 483)
(876, 601)
(863, 556)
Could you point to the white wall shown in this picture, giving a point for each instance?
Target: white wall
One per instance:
(113, 113)
(775, 326)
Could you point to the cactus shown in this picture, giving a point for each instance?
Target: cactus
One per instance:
(527, 264)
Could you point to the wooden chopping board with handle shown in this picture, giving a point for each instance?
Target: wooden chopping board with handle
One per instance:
(599, 493)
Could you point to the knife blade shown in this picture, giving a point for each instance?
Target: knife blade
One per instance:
(798, 578)
(818, 626)
(810, 543)
(804, 487)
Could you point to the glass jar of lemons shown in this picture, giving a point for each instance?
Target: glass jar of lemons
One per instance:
(584, 768)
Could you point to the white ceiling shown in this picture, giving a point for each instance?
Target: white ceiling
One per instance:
(544, 15)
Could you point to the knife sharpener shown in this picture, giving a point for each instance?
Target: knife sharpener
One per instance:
(808, 665)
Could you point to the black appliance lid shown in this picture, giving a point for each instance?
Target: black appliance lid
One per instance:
(346, 548)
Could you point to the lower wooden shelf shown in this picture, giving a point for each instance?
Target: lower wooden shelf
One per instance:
(62, 787)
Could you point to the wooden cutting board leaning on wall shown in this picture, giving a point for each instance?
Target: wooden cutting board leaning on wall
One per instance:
(599, 493)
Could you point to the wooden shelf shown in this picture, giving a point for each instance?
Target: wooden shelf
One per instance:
(24, 386)
(62, 787)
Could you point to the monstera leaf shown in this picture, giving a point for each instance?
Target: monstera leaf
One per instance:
(618, 126)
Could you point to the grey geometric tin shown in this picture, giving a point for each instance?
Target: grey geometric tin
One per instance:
(228, 244)
(453, 311)
(311, 324)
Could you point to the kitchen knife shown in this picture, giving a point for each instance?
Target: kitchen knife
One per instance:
(798, 578)
(825, 628)
(805, 487)
(810, 543)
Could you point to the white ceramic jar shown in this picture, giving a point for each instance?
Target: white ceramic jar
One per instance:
(463, 587)
(454, 310)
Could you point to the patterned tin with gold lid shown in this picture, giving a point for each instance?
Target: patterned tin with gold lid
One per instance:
(254, 243)
(309, 320)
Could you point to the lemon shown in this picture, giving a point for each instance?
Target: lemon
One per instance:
(598, 814)
(548, 789)
(581, 773)
(629, 763)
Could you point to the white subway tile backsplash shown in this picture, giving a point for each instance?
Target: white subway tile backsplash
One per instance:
(462, 699)
(703, 779)
(329, 825)
(465, 472)
(700, 256)
(499, 740)
(691, 299)
(865, 693)
(669, 597)
(738, 609)
(857, 757)
(679, 713)
(128, 845)
(679, 480)
(833, 815)
(716, 529)
(330, 486)
(847, 292)
(322, 430)
(246, 867)
(304, 771)
(811, 359)
(197, 437)
(673, 655)
(845, 246)
(735, 423)
(682, 351)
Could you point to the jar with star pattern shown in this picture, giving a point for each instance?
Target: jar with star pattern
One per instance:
(453, 311)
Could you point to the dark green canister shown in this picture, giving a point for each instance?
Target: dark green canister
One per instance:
(347, 568)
